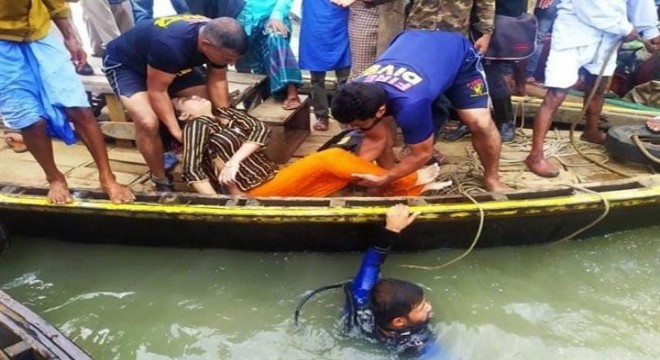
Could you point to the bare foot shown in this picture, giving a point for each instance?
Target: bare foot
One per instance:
(541, 167)
(653, 125)
(291, 103)
(436, 185)
(117, 193)
(427, 174)
(494, 185)
(58, 192)
(595, 137)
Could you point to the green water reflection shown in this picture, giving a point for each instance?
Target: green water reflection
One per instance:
(591, 299)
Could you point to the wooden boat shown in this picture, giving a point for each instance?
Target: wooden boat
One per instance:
(26, 336)
(537, 210)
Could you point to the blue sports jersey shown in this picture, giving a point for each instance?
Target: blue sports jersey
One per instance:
(417, 68)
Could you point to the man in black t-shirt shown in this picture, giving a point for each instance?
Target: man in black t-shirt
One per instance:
(161, 58)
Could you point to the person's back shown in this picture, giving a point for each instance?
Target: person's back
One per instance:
(168, 44)
(452, 15)
(433, 70)
(413, 80)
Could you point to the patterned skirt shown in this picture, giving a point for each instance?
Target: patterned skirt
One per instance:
(363, 34)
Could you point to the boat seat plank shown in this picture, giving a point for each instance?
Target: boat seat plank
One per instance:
(290, 128)
(14, 351)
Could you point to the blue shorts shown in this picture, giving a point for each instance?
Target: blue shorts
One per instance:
(127, 82)
(470, 90)
(38, 81)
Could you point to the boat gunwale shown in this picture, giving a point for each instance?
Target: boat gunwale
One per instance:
(643, 190)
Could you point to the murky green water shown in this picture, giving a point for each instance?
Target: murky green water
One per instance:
(592, 299)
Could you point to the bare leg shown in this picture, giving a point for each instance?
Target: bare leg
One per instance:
(147, 134)
(91, 135)
(39, 144)
(594, 109)
(487, 143)
(536, 160)
(292, 100)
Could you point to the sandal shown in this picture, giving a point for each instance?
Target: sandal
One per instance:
(321, 125)
(291, 103)
(653, 125)
(15, 142)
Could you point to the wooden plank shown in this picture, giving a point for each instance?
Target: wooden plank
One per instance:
(17, 349)
(271, 111)
(284, 143)
(566, 115)
(96, 83)
(129, 155)
(243, 78)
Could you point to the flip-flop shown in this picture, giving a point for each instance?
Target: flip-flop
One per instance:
(16, 145)
(653, 125)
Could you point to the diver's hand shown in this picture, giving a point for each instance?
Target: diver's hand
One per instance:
(399, 217)
(228, 174)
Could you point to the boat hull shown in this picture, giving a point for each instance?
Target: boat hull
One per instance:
(339, 224)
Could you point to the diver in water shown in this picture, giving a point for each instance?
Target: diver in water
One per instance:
(391, 311)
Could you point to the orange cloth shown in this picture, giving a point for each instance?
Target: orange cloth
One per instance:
(328, 171)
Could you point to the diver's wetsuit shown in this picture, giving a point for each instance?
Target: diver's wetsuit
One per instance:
(418, 341)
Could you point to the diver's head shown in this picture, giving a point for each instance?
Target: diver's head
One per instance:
(399, 305)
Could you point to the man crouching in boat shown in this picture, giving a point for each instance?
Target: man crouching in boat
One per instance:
(223, 148)
(40, 91)
(417, 68)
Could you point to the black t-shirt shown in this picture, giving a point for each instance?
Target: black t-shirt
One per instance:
(512, 8)
(168, 44)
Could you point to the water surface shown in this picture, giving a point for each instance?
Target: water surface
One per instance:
(591, 299)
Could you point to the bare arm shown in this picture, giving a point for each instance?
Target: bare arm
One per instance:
(218, 86)
(78, 55)
(157, 84)
(204, 187)
(420, 154)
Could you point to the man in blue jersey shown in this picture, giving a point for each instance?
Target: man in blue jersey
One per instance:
(417, 68)
(161, 58)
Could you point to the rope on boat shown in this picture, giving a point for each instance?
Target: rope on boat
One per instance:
(642, 148)
(477, 236)
(602, 216)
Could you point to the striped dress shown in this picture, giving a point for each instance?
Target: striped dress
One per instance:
(208, 145)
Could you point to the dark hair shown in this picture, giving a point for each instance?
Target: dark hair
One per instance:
(392, 298)
(227, 33)
(357, 101)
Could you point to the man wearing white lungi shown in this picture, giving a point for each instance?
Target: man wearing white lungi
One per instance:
(584, 33)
